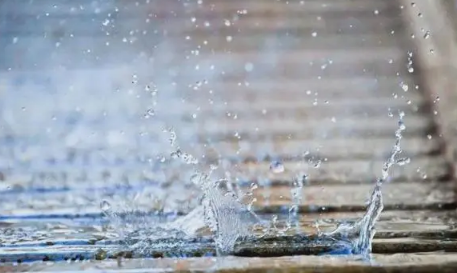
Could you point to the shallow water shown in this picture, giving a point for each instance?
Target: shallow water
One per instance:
(134, 157)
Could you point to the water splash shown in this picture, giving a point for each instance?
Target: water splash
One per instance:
(220, 209)
(364, 230)
(296, 192)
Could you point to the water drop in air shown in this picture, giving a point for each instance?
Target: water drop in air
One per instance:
(277, 167)
(427, 35)
(404, 86)
(105, 206)
(403, 161)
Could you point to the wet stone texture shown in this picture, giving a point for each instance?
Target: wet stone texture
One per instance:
(286, 102)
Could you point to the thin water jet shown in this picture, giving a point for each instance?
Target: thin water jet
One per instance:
(363, 231)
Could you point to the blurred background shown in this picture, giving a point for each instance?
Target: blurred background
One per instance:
(90, 91)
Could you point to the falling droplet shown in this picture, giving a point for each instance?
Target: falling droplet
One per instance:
(277, 167)
(389, 113)
(105, 206)
(149, 113)
(172, 138)
(403, 161)
(176, 154)
(404, 86)
(427, 35)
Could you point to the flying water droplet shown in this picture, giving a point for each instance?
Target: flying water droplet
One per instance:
(105, 206)
(176, 154)
(403, 161)
(172, 138)
(427, 34)
(277, 167)
(149, 113)
(389, 113)
(404, 86)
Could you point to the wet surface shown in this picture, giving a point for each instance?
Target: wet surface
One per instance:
(87, 89)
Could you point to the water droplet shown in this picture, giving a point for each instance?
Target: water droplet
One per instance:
(176, 154)
(277, 167)
(389, 113)
(427, 35)
(404, 86)
(149, 113)
(403, 161)
(376, 12)
(189, 159)
(227, 23)
(196, 178)
(105, 206)
(172, 138)
(314, 34)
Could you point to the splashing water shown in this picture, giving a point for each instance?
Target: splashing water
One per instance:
(296, 193)
(364, 229)
(220, 209)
